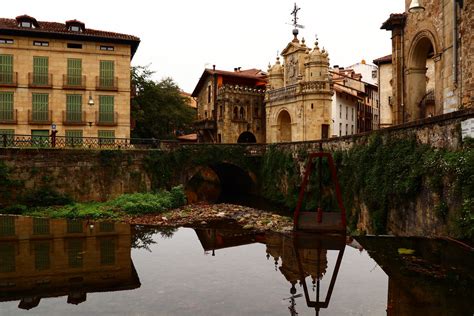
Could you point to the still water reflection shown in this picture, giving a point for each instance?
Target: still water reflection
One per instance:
(59, 267)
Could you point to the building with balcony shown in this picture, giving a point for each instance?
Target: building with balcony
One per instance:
(299, 95)
(230, 106)
(64, 74)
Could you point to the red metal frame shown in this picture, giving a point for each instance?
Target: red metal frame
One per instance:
(304, 183)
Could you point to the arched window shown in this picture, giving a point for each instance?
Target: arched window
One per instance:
(242, 113)
(236, 113)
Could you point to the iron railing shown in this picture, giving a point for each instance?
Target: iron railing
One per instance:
(107, 83)
(38, 80)
(74, 82)
(8, 116)
(8, 79)
(40, 117)
(74, 118)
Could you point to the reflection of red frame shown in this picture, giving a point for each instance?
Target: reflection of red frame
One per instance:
(304, 183)
(328, 243)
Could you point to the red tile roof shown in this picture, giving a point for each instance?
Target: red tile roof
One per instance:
(383, 60)
(60, 30)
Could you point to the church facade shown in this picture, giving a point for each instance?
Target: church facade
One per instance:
(299, 94)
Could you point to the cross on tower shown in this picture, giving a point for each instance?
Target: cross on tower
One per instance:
(295, 15)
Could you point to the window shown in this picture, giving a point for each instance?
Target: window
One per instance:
(347, 129)
(347, 112)
(74, 138)
(106, 227)
(75, 28)
(107, 73)
(106, 109)
(312, 106)
(242, 113)
(7, 226)
(6, 69)
(236, 113)
(40, 43)
(74, 226)
(340, 110)
(6, 41)
(7, 257)
(352, 114)
(340, 129)
(26, 24)
(374, 74)
(74, 45)
(107, 48)
(40, 71)
(74, 72)
(107, 251)
(6, 106)
(42, 258)
(74, 108)
(40, 111)
(106, 137)
(352, 129)
(75, 253)
(209, 94)
(40, 226)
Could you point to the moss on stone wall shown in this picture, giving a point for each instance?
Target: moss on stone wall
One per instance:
(384, 174)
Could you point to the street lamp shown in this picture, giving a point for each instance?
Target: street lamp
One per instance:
(91, 101)
(416, 7)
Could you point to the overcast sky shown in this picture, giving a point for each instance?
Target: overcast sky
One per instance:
(181, 37)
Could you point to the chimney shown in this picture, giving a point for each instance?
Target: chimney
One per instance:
(214, 67)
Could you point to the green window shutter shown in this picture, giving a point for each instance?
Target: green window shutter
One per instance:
(6, 69)
(40, 226)
(42, 257)
(74, 72)
(74, 139)
(40, 70)
(106, 109)
(106, 137)
(106, 227)
(74, 108)
(107, 251)
(107, 73)
(75, 253)
(7, 226)
(40, 107)
(40, 138)
(7, 257)
(6, 106)
(74, 226)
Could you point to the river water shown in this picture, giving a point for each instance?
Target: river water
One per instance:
(64, 267)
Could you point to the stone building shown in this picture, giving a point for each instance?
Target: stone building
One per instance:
(64, 74)
(230, 106)
(298, 97)
(440, 32)
(355, 105)
(385, 89)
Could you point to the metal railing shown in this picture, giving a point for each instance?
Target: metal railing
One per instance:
(36, 80)
(39, 117)
(8, 79)
(8, 116)
(74, 118)
(53, 141)
(103, 118)
(74, 82)
(107, 83)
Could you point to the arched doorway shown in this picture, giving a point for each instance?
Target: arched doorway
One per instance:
(247, 137)
(421, 78)
(284, 127)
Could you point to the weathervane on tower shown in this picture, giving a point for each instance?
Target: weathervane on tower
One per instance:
(295, 20)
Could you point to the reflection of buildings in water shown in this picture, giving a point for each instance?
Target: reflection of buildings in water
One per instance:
(212, 239)
(42, 257)
(436, 279)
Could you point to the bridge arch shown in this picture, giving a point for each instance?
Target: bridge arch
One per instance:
(220, 182)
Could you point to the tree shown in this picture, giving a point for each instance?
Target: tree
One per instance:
(159, 109)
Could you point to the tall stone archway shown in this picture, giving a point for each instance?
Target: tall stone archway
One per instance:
(423, 91)
(284, 127)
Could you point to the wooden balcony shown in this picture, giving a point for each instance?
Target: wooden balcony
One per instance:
(74, 82)
(8, 117)
(40, 117)
(8, 79)
(40, 80)
(74, 118)
(106, 84)
(106, 118)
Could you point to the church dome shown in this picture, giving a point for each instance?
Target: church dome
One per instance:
(275, 69)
